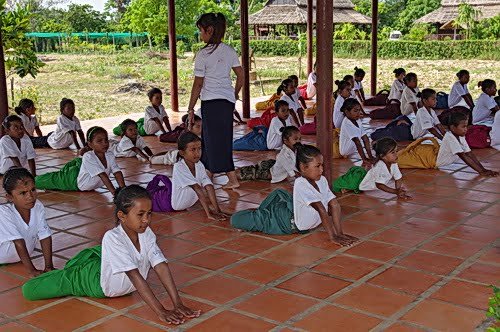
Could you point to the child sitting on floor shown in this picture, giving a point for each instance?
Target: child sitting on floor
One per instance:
(486, 106)
(426, 121)
(131, 144)
(350, 80)
(68, 126)
(495, 132)
(311, 84)
(288, 90)
(285, 160)
(16, 149)
(352, 135)
(359, 75)
(120, 265)
(190, 182)
(298, 96)
(459, 94)
(23, 222)
(89, 172)
(398, 85)
(342, 94)
(26, 111)
(410, 98)
(282, 120)
(155, 115)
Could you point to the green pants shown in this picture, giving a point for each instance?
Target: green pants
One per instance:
(261, 171)
(274, 215)
(80, 277)
(65, 179)
(140, 128)
(350, 180)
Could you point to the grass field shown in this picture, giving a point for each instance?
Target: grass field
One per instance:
(106, 85)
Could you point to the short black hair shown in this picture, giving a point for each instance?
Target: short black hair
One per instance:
(127, 123)
(383, 146)
(186, 138)
(462, 72)
(13, 176)
(7, 122)
(427, 93)
(153, 92)
(349, 104)
(410, 77)
(64, 102)
(399, 71)
(358, 72)
(278, 103)
(455, 118)
(288, 131)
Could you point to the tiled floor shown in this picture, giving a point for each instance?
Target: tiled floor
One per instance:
(421, 265)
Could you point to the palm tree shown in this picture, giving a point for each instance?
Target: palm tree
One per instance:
(467, 18)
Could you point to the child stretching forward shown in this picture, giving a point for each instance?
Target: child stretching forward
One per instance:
(289, 95)
(68, 126)
(273, 139)
(285, 160)
(120, 266)
(23, 222)
(426, 121)
(155, 115)
(16, 148)
(131, 144)
(26, 111)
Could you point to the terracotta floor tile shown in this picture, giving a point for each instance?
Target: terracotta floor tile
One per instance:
(8, 282)
(209, 235)
(172, 226)
(94, 231)
(480, 196)
(376, 250)
(74, 206)
(493, 210)
(483, 221)
(403, 280)
(378, 217)
(53, 213)
(375, 300)
(488, 274)
(462, 205)
(445, 215)
(19, 269)
(359, 229)
(318, 239)
(122, 301)
(69, 221)
(62, 241)
(400, 237)
(259, 270)
(465, 293)
(227, 321)
(13, 303)
(449, 246)
(313, 284)
(175, 248)
(270, 304)
(343, 320)
(430, 262)
(12, 326)
(423, 225)
(123, 324)
(213, 259)
(491, 256)
(347, 267)
(444, 316)
(183, 273)
(76, 314)
(249, 244)
(400, 207)
(99, 213)
(475, 234)
(295, 254)
(399, 327)
(219, 289)
(360, 201)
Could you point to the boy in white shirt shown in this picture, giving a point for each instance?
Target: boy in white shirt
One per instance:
(274, 140)
(459, 94)
(155, 115)
(426, 121)
(486, 105)
(410, 101)
(68, 126)
(16, 148)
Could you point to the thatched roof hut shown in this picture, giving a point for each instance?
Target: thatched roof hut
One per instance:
(292, 12)
(449, 10)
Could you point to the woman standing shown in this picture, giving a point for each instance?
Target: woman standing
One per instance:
(212, 71)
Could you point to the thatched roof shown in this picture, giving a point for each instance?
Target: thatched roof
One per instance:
(449, 10)
(295, 12)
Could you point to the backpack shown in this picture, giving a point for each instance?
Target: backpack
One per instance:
(264, 120)
(173, 135)
(253, 141)
(390, 111)
(442, 100)
(308, 128)
(379, 100)
(392, 130)
(161, 196)
(478, 136)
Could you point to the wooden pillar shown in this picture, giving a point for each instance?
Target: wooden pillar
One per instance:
(4, 104)
(172, 46)
(324, 54)
(373, 66)
(310, 28)
(245, 57)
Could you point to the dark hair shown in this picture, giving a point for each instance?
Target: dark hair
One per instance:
(462, 72)
(288, 131)
(348, 78)
(218, 22)
(349, 104)
(13, 175)
(94, 131)
(427, 93)
(153, 92)
(24, 104)
(127, 123)
(185, 139)
(399, 71)
(486, 84)
(283, 85)
(185, 118)
(126, 196)
(383, 146)
(341, 85)
(455, 118)
(293, 77)
(305, 153)
(358, 72)
(410, 77)
(7, 122)
(278, 103)
(64, 102)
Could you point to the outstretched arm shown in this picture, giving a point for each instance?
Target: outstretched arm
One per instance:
(24, 255)
(471, 160)
(107, 182)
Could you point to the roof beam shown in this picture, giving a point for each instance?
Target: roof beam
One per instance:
(245, 57)
(373, 65)
(4, 104)
(172, 47)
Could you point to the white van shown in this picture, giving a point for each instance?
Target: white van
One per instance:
(395, 35)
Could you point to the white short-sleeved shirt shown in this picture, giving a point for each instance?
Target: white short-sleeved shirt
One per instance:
(29, 123)
(495, 132)
(348, 131)
(296, 96)
(357, 85)
(88, 178)
(183, 196)
(338, 116)
(311, 89)
(305, 216)
(457, 91)
(379, 173)
(274, 136)
(284, 166)
(396, 90)
(482, 108)
(61, 137)
(424, 120)
(125, 146)
(293, 101)
(150, 126)
(15, 228)
(215, 67)
(408, 96)
(8, 149)
(119, 255)
(450, 146)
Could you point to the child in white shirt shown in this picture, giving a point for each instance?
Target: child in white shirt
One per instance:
(68, 126)
(385, 174)
(155, 115)
(190, 181)
(23, 222)
(311, 84)
(426, 121)
(298, 96)
(26, 111)
(273, 139)
(16, 148)
(398, 85)
(120, 266)
(359, 75)
(486, 105)
(342, 94)
(459, 94)
(410, 101)
(289, 95)
(495, 132)
(285, 160)
(131, 144)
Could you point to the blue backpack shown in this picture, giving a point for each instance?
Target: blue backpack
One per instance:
(442, 100)
(397, 132)
(253, 141)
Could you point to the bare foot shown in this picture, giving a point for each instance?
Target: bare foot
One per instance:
(231, 185)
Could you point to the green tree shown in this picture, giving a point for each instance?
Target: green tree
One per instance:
(346, 31)
(418, 32)
(467, 18)
(85, 18)
(487, 29)
(413, 10)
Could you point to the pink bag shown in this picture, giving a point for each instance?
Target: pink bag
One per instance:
(478, 136)
(308, 128)
(161, 196)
